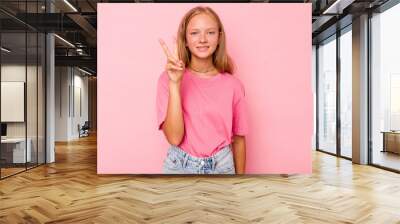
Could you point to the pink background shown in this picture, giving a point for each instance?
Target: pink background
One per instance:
(271, 47)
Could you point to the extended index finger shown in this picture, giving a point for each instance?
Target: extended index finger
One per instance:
(164, 47)
(175, 48)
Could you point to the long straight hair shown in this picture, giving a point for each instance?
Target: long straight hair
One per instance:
(221, 60)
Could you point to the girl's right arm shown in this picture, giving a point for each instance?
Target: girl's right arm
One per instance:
(173, 126)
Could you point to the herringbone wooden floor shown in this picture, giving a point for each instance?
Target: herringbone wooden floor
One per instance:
(70, 191)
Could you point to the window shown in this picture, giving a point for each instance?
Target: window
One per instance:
(327, 95)
(385, 88)
(346, 92)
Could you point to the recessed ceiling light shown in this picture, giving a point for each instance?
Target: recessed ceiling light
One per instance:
(70, 5)
(337, 7)
(5, 50)
(64, 40)
(84, 71)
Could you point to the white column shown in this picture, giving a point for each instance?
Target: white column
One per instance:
(360, 90)
(50, 93)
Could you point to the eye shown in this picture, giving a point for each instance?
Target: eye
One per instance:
(193, 33)
(212, 32)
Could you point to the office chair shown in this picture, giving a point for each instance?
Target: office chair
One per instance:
(84, 130)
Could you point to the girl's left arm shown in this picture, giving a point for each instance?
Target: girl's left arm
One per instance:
(239, 153)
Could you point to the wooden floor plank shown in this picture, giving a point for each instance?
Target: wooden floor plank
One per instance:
(70, 191)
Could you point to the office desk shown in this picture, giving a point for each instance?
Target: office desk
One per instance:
(15, 148)
(391, 141)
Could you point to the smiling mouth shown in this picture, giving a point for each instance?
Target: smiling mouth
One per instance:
(202, 48)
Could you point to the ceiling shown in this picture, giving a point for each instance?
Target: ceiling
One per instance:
(76, 22)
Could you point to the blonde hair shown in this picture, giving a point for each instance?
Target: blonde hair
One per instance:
(221, 59)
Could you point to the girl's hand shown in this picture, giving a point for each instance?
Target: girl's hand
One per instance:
(174, 66)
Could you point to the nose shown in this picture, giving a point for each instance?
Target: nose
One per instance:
(203, 38)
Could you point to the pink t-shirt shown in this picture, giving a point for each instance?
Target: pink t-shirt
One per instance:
(214, 109)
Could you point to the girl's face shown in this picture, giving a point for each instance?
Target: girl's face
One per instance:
(202, 35)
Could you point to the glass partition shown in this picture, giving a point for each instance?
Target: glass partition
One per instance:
(22, 77)
(13, 108)
(327, 95)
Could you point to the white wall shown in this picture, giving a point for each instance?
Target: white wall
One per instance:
(80, 84)
(62, 81)
(71, 93)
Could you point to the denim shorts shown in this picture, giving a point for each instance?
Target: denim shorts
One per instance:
(180, 162)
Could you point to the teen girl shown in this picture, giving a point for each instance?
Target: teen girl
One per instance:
(200, 105)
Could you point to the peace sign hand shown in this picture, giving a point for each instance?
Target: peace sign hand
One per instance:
(174, 66)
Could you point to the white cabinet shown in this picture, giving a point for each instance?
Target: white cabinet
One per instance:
(18, 149)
